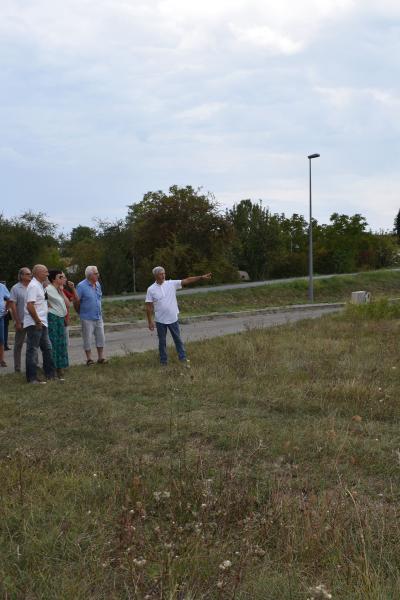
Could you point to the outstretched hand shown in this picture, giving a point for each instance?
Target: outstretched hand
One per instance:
(206, 276)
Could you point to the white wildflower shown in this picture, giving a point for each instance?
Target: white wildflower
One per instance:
(139, 562)
(226, 564)
(319, 592)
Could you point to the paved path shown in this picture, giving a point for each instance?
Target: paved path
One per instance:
(137, 338)
(235, 286)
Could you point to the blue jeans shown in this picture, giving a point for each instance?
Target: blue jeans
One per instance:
(162, 329)
(35, 339)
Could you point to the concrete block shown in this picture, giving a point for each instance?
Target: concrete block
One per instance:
(360, 297)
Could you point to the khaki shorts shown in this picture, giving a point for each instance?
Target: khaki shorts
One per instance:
(90, 329)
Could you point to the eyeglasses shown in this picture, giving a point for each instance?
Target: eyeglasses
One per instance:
(61, 277)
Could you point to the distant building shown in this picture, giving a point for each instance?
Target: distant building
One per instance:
(244, 276)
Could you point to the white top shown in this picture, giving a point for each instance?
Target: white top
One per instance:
(35, 293)
(56, 301)
(163, 297)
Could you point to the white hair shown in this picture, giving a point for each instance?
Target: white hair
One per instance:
(157, 270)
(89, 270)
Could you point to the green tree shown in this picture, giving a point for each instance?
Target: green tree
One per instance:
(260, 239)
(25, 241)
(115, 242)
(184, 230)
(339, 245)
(397, 226)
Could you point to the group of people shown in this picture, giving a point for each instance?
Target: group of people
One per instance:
(40, 307)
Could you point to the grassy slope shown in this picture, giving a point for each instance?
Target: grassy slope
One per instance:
(326, 290)
(277, 451)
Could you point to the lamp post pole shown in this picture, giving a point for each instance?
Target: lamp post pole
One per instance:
(310, 240)
(134, 274)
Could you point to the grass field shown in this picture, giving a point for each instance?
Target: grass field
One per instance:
(336, 289)
(269, 469)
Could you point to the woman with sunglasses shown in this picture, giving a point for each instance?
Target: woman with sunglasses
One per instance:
(57, 313)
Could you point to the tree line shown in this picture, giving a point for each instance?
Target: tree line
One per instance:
(185, 231)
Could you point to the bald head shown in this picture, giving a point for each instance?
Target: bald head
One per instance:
(40, 272)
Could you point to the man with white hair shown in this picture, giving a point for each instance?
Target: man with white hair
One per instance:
(17, 304)
(36, 326)
(161, 300)
(88, 305)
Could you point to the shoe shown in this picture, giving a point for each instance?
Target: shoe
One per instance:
(37, 382)
(89, 362)
(7, 347)
(185, 362)
(102, 361)
(3, 363)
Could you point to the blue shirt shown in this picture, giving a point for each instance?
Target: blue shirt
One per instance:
(4, 295)
(90, 297)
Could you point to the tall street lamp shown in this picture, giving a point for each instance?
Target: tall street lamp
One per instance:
(134, 274)
(310, 242)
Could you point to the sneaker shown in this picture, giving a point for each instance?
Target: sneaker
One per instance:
(37, 382)
(186, 363)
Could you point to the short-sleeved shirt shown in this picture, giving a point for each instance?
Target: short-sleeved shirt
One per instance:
(4, 296)
(35, 293)
(56, 301)
(90, 297)
(163, 297)
(18, 296)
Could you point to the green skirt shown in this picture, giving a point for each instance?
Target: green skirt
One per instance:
(59, 341)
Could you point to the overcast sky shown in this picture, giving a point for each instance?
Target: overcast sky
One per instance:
(104, 100)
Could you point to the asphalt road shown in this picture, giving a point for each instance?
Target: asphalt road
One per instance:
(139, 339)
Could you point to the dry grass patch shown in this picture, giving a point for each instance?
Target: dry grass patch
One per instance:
(270, 467)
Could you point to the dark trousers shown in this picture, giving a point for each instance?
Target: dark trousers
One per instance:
(162, 329)
(35, 339)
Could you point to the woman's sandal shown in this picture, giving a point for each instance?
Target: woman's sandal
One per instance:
(3, 363)
(89, 362)
(102, 361)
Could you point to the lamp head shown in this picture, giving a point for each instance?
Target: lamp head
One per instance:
(314, 156)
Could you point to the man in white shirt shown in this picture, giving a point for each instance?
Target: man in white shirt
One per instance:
(161, 300)
(36, 326)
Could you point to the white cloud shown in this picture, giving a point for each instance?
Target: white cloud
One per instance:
(266, 38)
(9, 154)
(203, 112)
